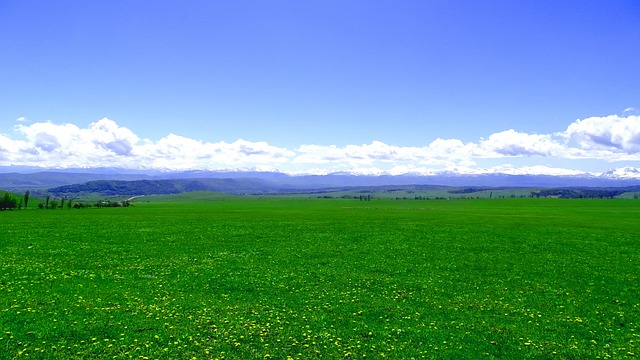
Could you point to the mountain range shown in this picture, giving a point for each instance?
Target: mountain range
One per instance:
(272, 181)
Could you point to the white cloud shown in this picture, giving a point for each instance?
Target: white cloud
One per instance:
(611, 133)
(11, 150)
(178, 152)
(452, 152)
(439, 152)
(513, 143)
(106, 144)
(353, 154)
(21, 119)
(111, 137)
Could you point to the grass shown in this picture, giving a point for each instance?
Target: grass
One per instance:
(239, 278)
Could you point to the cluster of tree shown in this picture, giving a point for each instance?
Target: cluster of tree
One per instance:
(578, 193)
(357, 197)
(474, 189)
(465, 190)
(8, 202)
(53, 204)
(50, 203)
(420, 197)
(123, 203)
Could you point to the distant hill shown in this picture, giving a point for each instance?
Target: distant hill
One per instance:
(47, 179)
(170, 186)
(122, 182)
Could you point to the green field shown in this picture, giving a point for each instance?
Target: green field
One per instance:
(247, 277)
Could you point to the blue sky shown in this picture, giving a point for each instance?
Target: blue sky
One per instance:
(320, 85)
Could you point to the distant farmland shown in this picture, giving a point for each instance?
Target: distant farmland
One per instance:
(201, 275)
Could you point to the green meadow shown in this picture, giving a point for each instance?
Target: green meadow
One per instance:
(214, 276)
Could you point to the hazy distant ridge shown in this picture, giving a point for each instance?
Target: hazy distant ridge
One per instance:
(123, 182)
(175, 186)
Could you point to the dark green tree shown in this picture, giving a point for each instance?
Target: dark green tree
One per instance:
(26, 198)
(7, 202)
(46, 201)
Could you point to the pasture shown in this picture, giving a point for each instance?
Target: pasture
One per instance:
(272, 277)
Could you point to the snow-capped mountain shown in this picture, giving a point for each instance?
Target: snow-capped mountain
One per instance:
(458, 171)
(271, 178)
(623, 173)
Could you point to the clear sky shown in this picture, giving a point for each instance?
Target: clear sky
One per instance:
(325, 85)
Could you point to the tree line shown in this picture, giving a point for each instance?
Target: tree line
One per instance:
(579, 193)
(9, 202)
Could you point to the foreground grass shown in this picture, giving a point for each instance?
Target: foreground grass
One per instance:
(258, 278)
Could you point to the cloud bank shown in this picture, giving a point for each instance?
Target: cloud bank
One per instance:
(104, 143)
